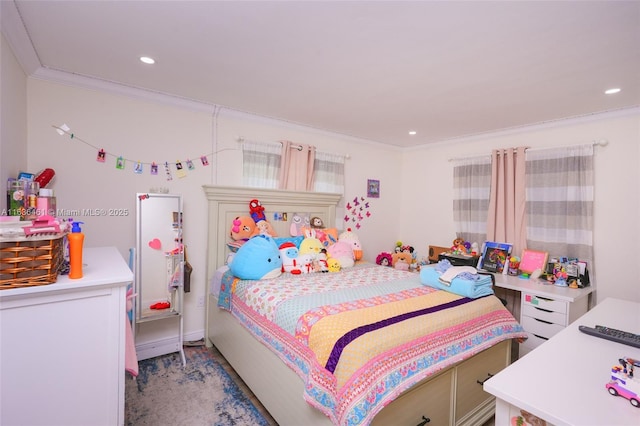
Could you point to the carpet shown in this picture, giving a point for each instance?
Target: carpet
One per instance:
(201, 393)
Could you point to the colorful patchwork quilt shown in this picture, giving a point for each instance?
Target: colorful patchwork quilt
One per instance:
(360, 337)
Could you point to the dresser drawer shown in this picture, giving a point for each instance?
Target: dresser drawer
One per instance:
(529, 299)
(545, 315)
(473, 372)
(409, 408)
(540, 328)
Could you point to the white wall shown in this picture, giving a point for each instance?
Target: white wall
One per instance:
(145, 131)
(13, 115)
(429, 174)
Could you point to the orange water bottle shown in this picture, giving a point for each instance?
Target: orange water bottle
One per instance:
(76, 240)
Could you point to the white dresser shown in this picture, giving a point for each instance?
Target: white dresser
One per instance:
(545, 309)
(62, 347)
(563, 381)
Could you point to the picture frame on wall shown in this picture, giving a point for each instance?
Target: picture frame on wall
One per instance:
(494, 257)
(373, 188)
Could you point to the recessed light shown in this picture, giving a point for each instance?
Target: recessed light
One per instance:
(612, 91)
(412, 132)
(147, 60)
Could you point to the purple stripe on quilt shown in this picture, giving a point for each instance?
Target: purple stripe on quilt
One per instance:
(350, 336)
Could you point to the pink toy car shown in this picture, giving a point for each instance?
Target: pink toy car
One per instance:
(623, 383)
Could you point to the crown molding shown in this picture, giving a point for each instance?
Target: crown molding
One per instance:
(14, 31)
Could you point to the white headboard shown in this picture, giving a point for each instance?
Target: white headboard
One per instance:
(227, 202)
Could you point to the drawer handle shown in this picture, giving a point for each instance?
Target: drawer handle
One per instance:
(482, 382)
(546, 322)
(543, 310)
(540, 337)
(424, 421)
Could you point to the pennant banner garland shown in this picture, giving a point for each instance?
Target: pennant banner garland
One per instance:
(181, 166)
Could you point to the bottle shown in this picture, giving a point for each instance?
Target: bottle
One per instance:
(46, 204)
(76, 240)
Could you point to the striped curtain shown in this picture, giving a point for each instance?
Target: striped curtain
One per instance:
(559, 206)
(471, 191)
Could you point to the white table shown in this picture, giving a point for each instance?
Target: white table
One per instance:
(62, 347)
(563, 381)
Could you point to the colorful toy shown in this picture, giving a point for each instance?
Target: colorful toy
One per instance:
(343, 252)
(256, 211)
(333, 265)
(350, 237)
(401, 260)
(623, 383)
(257, 259)
(310, 244)
(384, 259)
(242, 228)
(289, 256)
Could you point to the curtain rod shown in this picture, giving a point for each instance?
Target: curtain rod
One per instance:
(599, 142)
(241, 139)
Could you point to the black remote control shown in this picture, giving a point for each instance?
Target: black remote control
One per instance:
(619, 336)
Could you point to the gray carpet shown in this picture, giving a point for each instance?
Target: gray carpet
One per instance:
(204, 392)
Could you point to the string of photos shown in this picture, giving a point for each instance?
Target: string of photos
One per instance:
(179, 166)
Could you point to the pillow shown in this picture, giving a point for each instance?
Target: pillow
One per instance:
(235, 245)
(258, 258)
(327, 236)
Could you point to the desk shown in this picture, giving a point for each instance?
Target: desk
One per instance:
(545, 309)
(62, 348)
(563, 381)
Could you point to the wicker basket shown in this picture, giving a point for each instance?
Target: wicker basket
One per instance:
(30, 261)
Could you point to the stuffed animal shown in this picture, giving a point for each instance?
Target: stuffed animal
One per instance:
(384, 259)
(311, 244)
(320, 263)
(257, 259)
(289, 256)
(264, 227)
(402, 260)
(242, 229)
(351, 238)
(343, 252)
(333, 265)
(316, 222)
(256, 211)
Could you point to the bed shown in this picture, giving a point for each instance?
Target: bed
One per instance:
(304, 378)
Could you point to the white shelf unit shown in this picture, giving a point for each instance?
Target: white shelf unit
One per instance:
(545, 309)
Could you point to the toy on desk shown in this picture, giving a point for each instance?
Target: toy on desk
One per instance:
(623, 383)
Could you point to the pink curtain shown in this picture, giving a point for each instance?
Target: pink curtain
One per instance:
(506, 221)
(296, 168)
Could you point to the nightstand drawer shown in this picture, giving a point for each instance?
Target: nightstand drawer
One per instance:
(529, 299)
(559, 318)
(540, 328)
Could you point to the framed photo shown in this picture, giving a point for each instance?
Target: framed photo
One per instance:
(373, 188)
(532, 260)
(494, 257)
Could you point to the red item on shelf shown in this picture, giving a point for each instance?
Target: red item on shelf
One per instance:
(160, 305)
(44, 177)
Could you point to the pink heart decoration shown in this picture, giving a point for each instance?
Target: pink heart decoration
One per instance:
(155, 244)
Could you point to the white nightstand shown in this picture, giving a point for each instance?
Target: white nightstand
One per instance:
(545, 309)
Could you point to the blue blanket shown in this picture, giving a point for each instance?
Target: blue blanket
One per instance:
(472, 288)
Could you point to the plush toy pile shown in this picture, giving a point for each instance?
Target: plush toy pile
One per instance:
(258, 252)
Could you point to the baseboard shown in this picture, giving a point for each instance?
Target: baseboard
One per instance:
(165, 346)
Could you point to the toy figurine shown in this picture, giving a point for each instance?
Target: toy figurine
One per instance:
(623, 383)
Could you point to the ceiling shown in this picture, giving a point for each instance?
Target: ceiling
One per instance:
(368, 69)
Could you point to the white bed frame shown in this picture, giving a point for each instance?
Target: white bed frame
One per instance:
(278, 387)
